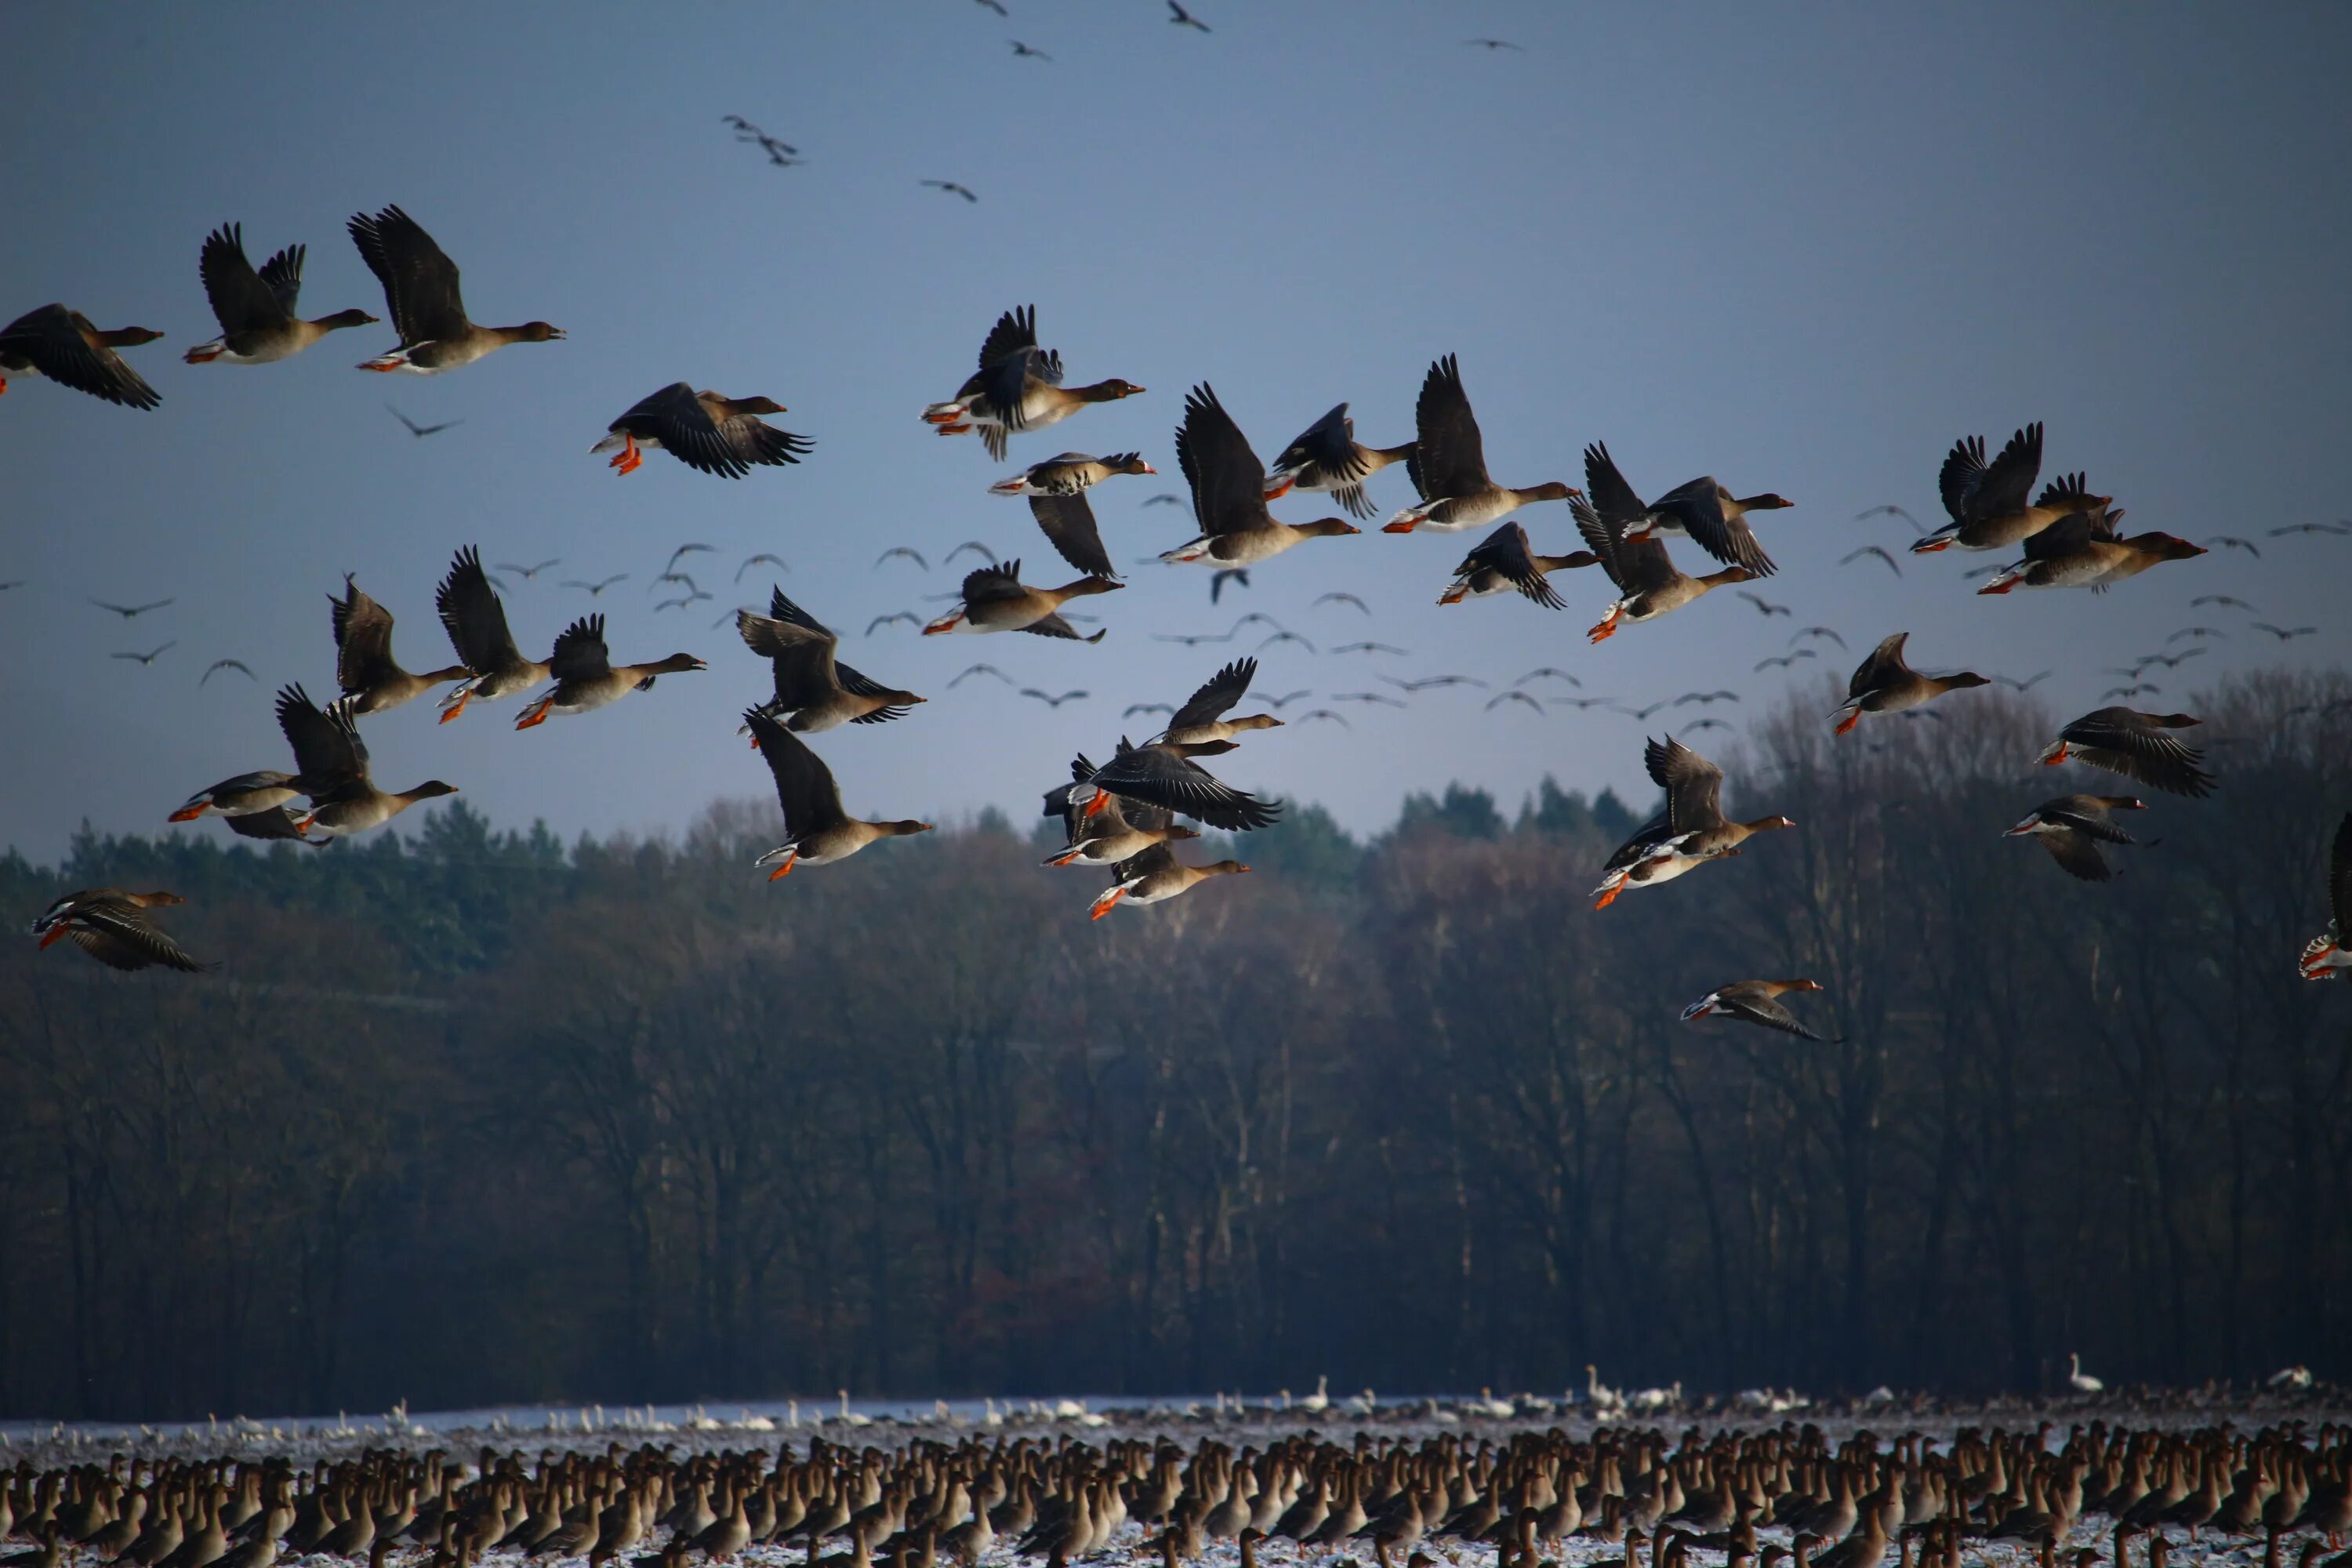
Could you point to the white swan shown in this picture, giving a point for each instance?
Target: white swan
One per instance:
(2083, 1382)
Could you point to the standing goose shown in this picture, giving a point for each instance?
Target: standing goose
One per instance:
(2082, 550)
(1755, 1002)
(997, 600)
(256, 310)
(1228, 484)
(1690, 832)
(2073, 826)
(704, 430)
(62, 345)
(420, 289)
(1115, 833)
(1155, 875)
(1448, 464)
(1328, 457)
(1702, 512)
(1883, 683)
(364, 668)
(1505, 562)
(1986, 502)
(1648, 583)
(476, 620)
(817, 832)
(587, 680)
(2325, 957)
(2133, 745)
(813, 688)
(334, 763)
(1197, 722)
(1018, 386)
(1164, 774)
(114, 928)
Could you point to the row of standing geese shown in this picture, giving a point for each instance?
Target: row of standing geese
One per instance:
(1121, 815)
(1752, 1498)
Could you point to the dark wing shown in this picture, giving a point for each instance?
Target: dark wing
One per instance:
(2003, 487)
(1450, 458)
(805, 785)
(1884, 662)
(1143, 863)
(1329, 444)
(784, 609)
(803, 658)
(989, 585)
(1227, 479)
(1055, 627)
(676, 418)
(1963, 469)
(850, 680)
(52, 341)
(282, 276)
(1660, 826)
(1069, 525)
(1506, 550)
(2070, 535)
(420, 283)
(2339, 876)
(2120, 741)
(277, 822)
(123, 938)
(1162, 778)
(327, 751)
(1015, 330)
(363, 638)
(240, 300)
(580, 653)
(2085, 818)
(1006, 385)
(1694, 785)
(2079, 854)
(753, 440)
(1216, 694)
(1635, 565)
(474, 617)
(1059, 799)
(1767, 1011)
(1612, 498)
(1698, 507)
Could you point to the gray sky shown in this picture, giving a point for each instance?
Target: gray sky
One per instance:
(1801, 249)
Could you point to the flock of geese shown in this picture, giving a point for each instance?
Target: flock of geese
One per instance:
(1750, 1499)
(1121, 815)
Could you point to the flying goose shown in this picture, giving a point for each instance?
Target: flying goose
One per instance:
(1448, 464)
(705, 430)
(817, 832)
(256, 310)
(420, 289)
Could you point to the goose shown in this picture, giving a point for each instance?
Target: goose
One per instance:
(420, 289)
(1648, 583)
(256, 310)
(2073, 826)
(369, 676)
(1155, 875)
(1327, 457)
(997, 600)
(1883, 683)
(1690, 832)
(587, 678)
(1018, 386)
(1986, 502)
(333, 768)
(2082, 550)
(817, 832)
(1164, 774)
(1228, 485)
(1755, 1002)
(1506, 563)
(1448, 464)
(2325, 956)
(2133, 745)
(1118, 832)
(706, 431)
(1198, 722)
(63, 345)
(1702, 512)
(245, 795)
(812, 687)
(114, 927)
(1070, 473)
(476, 620)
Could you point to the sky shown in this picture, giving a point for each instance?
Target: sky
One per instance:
(1802, 250)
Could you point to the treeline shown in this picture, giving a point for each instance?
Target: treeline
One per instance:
(474, 1117)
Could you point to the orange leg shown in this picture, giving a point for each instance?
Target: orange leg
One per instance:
(1606, 628)
(1849, 722)
(1101, 799)
(1396, 528)
(1279, 494)
(534, 715)
(2056, 756)
(1610, 896)
(1998, 587)
(1108, 901)
(304, 826)
(457, 707)
(954, 428)
(57, 933)
(786, 868)
(1929, 546)
(187, 813)
(1066, 855)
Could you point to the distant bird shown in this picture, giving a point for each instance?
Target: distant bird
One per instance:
(2134, 690)
(1181, 17)
(2285, 634)
(2325, 956)
(528, 573)
(681, 602)
(708, 431)
(2073, 826)
(2198, 632)
(1765, 609)
(1498, 701)
(148, 658)
(2021, 685)
(977, 548)
(1492, 44)
(1696, 725)
(2174, 660)
(1756, 1002)
(1892, 510)
(1872, 550)
(817, 832)
(1369, 647)
(421, 431)
(1432, 682)
(1256, 618)
(1165, 498)
(1022, 51)
(1365, 697)
(1973, 573)
(909, 616)
(686, 578)
(1821, 632)
(1704, 698)
(1223, 575)
(128, 611)
(1343, 599)
(2231, 541)
(952, 188)
(1285, 637)
(114, 928)
(12, 583)
(1132, 709)
(1279, 703)
(596, 589)
(781, 153)
(1191, 640)
(1324, 714)
(980, 670)
(235, 663)
(1054, 702)
(1784, 660)
(2312, 528)
(420, 290)
(63, 345)
(901, 550)
(1549, 670)
(2221, 599)
(997, 6)
(2135, 745)
(762, 559)
(1582, 703)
